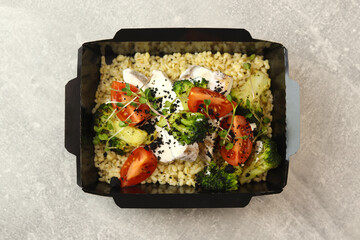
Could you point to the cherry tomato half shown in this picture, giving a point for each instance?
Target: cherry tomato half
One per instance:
(139, 166)
(137, 113)
(219, 106)
(242, 140)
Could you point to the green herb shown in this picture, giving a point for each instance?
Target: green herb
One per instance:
(249, 115)
(128, 92)
(122, 124)
(119, 104)
(155, 105)
(127, 89)
(244, 137)
(96, 140)
(207, 102)
(152, 113)
(229, 146)
(148, 95)
(229, 98)
(248, 103)
(96, 129)
(103, 136)
(164, 111)
(266, 120)
(247, 65)
(167, 104)
(252, 57)
(134, 104)
(223, 133)
(142, 100)
(264, 129)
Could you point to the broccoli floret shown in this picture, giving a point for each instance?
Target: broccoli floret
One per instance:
(248, 114)
(116, 134)
(249, 95)
(264, 158)
(200, 82)
(186, 127)
(215, 178)
(118, 146)
(101, 116)
(182, 89)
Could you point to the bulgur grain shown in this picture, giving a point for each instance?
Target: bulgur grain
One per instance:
(179, 172)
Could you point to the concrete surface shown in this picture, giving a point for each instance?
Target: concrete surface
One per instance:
(39, 198)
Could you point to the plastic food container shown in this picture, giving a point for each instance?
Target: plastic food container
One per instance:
(80, 94)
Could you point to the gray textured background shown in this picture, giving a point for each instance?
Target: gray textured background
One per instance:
(39, 198)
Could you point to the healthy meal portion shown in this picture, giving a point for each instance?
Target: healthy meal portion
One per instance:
(202, 120)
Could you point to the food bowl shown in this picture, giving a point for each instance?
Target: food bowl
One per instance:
(80, 95)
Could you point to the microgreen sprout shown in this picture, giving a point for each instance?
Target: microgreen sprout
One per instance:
(229, 146)
(143, 97)
(247, 65)
(207, 102)
(134, 104)
(122, 124)
(262, 129)
(266, 120)
(225, 142)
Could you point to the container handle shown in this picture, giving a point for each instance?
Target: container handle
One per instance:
(72, 117)
(292, 116)
(183, 34)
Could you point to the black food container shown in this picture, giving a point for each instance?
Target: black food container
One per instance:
(80, 95)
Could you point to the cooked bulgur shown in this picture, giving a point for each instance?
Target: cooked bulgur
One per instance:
(178, 172)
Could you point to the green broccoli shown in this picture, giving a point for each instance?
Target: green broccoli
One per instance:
(186, 127)
(262, 160)
(215, 178)
(117, 135)
(200, 82)
(101, 121)
(182, 89)
(119, 146)
(249, 95)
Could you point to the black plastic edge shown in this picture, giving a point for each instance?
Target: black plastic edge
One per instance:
(72, 117)
(203, 200)
(182, 34)
(72, 121)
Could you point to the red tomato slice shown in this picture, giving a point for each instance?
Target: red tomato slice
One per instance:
(137, 114)
(219, 105)
(242, 143)
(139, 166)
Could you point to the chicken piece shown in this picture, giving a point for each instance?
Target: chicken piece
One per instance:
(170, 149)
(206, 149)
(221, 83)
(162, 86)
(218, 81)
(134, 77)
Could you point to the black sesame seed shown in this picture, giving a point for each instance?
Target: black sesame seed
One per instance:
(229, 169)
